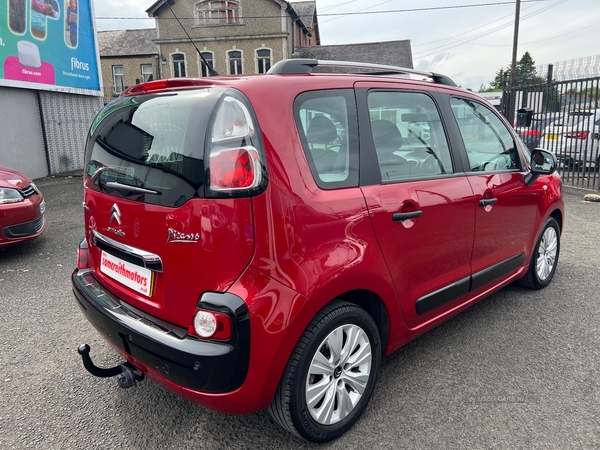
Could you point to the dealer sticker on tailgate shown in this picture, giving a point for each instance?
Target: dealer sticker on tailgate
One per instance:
(134, 277)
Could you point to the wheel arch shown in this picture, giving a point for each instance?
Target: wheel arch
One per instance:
(558, 216)
(374, 306)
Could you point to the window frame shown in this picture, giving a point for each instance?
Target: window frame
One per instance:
(208, 15)
(352, 180)
(370, 167)
(260, 59)
(230, 60)
(517, 143)
(211, 60)
(181, 63)
(143, 75)
(116, 88)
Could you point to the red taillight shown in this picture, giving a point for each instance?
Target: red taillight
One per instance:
(237, 168)
(535, 133)
(211, 325)
(577, 134)
(83, 255)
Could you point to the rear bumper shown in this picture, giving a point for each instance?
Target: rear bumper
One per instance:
(163, 350)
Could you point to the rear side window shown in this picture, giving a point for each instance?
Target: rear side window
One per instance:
(327, 124)
(408, 136)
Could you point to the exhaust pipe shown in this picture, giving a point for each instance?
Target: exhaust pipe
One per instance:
(126, 374)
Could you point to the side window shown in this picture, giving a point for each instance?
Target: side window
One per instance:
(327, 124)
(490, 146)
(408, 136)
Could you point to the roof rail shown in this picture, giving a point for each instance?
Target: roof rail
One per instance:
(305, 66)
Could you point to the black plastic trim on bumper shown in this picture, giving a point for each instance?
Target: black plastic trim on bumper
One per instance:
(24, 229)
(208, 366)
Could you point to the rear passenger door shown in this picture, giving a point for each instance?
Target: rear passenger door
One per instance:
(420, 203)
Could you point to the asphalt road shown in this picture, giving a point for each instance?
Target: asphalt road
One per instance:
(520, 370)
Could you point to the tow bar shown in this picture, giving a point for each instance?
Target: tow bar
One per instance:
(126, 374)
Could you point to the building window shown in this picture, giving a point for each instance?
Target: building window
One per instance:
(146, 70)
(235, 62)
(218, 12)
(208, 56)
(264, 60)
(118, 79)
(178, 65)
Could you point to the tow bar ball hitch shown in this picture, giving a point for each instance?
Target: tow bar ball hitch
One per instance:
(125, 373)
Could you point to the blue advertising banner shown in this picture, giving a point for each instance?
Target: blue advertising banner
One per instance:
(48, 44)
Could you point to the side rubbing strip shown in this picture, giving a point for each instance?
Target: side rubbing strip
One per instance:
(496, 271)
(442, 296)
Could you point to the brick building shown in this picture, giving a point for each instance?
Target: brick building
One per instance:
(234, 36)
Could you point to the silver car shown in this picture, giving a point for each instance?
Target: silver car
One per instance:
(574, 138)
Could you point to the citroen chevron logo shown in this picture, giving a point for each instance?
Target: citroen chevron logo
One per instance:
(115, 214)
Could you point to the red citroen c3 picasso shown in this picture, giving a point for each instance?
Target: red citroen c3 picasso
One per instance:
(261, 242)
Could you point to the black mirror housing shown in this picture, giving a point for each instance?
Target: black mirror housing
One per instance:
(542, 163)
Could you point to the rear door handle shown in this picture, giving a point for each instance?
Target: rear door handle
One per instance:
(487, 201)
(399, 217)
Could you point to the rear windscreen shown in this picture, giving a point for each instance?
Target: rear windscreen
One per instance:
(151, 148)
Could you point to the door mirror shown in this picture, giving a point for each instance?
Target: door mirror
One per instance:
(542, 163)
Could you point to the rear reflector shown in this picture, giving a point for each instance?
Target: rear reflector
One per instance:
(83, 255)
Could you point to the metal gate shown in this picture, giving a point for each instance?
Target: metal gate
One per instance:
(566, 121)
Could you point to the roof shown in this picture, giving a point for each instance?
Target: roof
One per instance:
(306, 11)
(391, 53)
(127, 42)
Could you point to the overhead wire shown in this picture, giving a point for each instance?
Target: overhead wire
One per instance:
(363, 12)
(459, 42)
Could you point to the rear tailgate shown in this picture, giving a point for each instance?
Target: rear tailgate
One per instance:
(169, 181)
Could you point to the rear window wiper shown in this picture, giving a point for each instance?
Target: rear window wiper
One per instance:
(128, 187)
(138, 188)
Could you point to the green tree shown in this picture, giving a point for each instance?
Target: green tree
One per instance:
(526, 74)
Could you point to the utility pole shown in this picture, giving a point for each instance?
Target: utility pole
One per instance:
(513, 70)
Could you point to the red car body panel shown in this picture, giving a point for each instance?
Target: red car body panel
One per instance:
(26, 211)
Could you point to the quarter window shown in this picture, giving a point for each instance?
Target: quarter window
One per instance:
(118, 79)
(235, 62)
(264, 60)
(408, 136)
(178, 65)
(218, 12)
(490, 146)
(326, 122)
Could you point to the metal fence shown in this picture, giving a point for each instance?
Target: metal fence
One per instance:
(565, 121)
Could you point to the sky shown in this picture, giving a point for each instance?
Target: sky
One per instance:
(467, 40)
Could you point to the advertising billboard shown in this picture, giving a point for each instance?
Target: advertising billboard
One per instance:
(48, 44)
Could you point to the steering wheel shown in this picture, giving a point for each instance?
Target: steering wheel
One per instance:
(498, 162)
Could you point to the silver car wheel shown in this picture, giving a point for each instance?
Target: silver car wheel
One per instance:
(547, 252)
(338, 374)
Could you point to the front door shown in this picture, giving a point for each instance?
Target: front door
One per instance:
(505, 206)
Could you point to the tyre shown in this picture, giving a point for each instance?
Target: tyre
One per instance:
(544, 258)
(330, 375)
